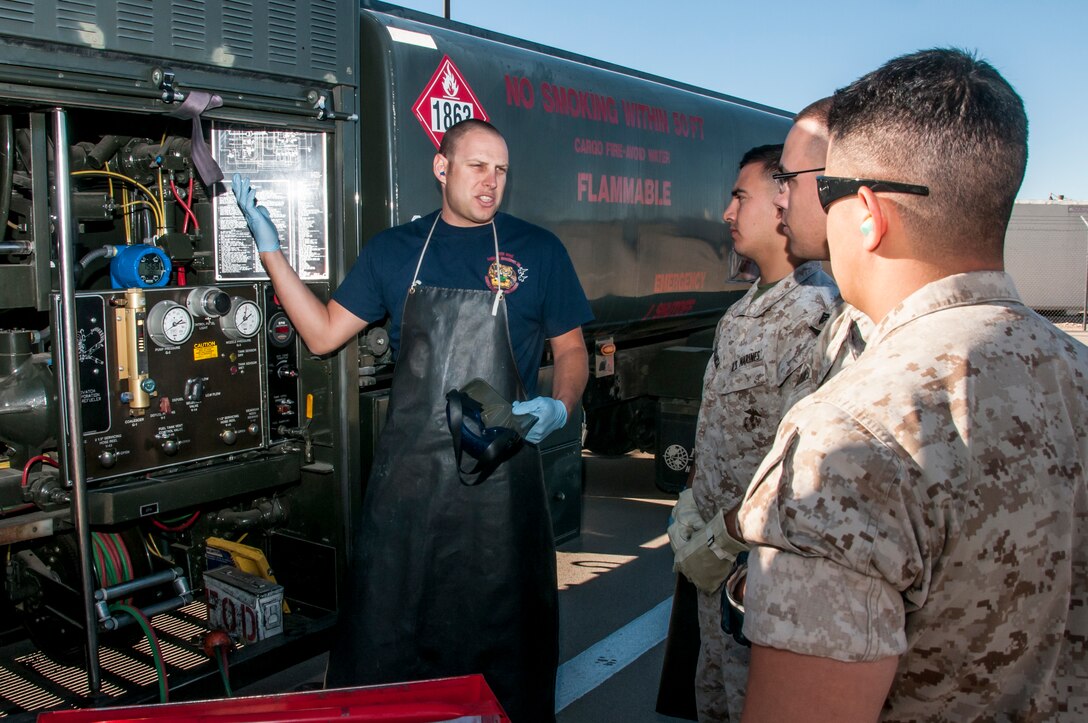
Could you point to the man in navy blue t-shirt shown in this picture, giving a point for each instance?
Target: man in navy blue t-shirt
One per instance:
(544, 298)
(450, 577)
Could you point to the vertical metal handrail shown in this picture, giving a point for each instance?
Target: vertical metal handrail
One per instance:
(72, 422)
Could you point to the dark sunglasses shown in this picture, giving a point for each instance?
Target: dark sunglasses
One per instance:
(781, 179)
(832, 188)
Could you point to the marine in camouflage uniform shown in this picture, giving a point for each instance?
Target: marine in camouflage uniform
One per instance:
(841, 341)
(760, 344)
(930, 503)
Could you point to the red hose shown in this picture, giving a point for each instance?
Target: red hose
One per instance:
(179, 528)
(37, 458)
(188, 211)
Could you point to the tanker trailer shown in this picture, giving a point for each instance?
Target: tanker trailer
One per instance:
(631, 171)
(159, 417)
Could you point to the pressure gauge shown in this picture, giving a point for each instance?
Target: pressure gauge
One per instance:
(242, 321)
(169, 324)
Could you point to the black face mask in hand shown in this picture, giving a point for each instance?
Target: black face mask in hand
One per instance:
(483, 426)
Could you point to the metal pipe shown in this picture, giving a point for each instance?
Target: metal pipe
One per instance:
(113, 621)
(41, 218)
(128, 588)
(7, 169)
(71, 421)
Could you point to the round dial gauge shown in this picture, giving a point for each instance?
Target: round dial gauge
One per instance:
(169, 324)
(242, 321)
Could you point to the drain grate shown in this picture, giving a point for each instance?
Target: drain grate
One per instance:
(36, 682)
(20, 695)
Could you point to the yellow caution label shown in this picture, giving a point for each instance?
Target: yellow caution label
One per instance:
(205, 350)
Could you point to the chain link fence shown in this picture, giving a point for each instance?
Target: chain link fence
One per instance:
(1046, 253)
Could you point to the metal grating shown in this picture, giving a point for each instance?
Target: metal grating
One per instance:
(282, 32)
(78, 16)
(315, 40)
(135, 21)
(72, 678)
(188, 20)
(238, 27)
(35, 682)
(180, 656)
(23, 695)
(16, 11)
(124, 666)
(323, 27)
(184, 628)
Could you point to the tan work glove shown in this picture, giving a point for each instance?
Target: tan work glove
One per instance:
(708, 556)
(684, 521)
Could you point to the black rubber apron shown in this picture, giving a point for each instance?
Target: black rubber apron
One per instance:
(450, 579)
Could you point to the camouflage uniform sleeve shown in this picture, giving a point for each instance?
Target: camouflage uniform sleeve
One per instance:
(836, 542)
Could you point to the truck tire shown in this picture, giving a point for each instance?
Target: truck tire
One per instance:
(620, 427)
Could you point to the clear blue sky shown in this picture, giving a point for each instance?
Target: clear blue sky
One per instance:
(789, 53)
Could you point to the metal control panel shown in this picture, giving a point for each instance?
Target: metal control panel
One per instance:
(169, 376)
(283, 374)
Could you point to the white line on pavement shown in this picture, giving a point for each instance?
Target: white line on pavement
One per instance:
(601, 661)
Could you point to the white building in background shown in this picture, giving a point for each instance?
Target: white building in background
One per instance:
(1046, 253)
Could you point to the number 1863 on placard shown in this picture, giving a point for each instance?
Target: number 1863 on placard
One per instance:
(444, 113)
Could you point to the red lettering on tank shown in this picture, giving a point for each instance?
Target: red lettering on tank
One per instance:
(602, 191)
(519, 92)
(625, 190)
(584, 182)
(546, 93)
(578, 103)
(646, 117)
(687, 126)
(669, 308)
(589, 146)
(686, 281)
(655, 155)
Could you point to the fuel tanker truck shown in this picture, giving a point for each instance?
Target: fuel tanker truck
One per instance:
(179, 475)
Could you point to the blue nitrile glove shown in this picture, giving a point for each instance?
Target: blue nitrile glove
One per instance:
(257, 218)
(550, 415)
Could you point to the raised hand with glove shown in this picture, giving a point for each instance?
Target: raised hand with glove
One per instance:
(257, 217)
(551, 414)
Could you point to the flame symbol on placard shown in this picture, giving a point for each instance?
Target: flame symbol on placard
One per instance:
(449, 84)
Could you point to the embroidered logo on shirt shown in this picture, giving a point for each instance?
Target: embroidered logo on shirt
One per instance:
(506, 274)
(745, 360)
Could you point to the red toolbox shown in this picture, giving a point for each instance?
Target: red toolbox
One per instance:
(465, 699)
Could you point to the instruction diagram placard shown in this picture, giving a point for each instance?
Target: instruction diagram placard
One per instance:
(287, 170)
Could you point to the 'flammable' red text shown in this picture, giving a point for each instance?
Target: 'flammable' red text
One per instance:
(624, 189)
